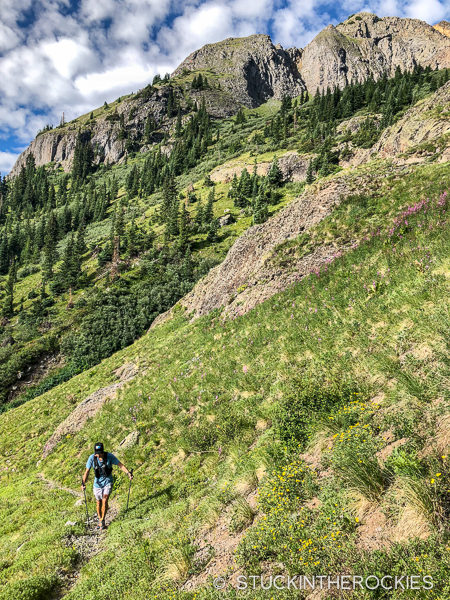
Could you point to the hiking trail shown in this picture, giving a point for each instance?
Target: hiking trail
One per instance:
(88, 544)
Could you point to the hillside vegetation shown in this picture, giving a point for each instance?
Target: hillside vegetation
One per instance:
(326, 401)
(87, 261)
(309, 435)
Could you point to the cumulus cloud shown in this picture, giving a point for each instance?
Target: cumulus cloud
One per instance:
(430, 11)
(61, 55)
(7, 160)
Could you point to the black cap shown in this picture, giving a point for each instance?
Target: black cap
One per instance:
(98, 447)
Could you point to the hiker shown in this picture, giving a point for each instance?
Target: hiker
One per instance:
(103, 463)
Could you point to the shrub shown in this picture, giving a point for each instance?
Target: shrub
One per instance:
(33, 588)
(304, 401)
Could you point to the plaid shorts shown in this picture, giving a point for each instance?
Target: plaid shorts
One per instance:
(100, 492)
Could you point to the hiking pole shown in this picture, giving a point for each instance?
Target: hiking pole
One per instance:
(85, 500)
(129, 489)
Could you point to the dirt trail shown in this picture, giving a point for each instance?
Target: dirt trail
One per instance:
(55, 485)
(88, 544)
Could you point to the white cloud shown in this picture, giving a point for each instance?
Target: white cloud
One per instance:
(197, 26)
(68, 56)
(430, 11)
(7, 160)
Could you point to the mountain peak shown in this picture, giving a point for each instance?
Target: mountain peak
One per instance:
(251, 68)
(443, 27)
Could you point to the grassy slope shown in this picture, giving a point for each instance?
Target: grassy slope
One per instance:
(208, 404)
(38, 343)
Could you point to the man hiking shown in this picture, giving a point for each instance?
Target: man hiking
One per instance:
(102, 462)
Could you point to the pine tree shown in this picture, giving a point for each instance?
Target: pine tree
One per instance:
(275, 176)
(310, 173)
(8, 303)
(260, 211)
(132, 239)
(183, 238)
(172, 228)
(119, 222)
(213, 230)
(245, 184)
(240, 118)
(50, 253)
(199, 215)
(69, 272)
(169, 198)
(178, 126)
(234, 187)
(208, 216)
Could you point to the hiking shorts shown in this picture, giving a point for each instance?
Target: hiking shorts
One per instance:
(104, 491)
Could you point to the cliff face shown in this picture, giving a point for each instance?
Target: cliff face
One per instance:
(109, 138)
(248, 71)
(58, 145)
(443, 27)
(251, 68)
(365, 45)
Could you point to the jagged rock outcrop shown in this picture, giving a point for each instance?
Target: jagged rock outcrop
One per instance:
(422, 131)
(248, 275)
(443, 27)
(107, 134)
(365, 45)
(292, 165)
(88, 408)
(252, 69)
(58, 145)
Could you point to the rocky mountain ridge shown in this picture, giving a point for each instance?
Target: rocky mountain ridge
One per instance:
(249, 71)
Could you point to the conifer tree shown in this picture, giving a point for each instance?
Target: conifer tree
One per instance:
(8, 303)
(50, 253)
(199, 215)
(208, 216)
(212, 230)
(178, 125)
(310, 173)
(183, 238)
(132, 239)
(275, 176)
(260, 211)
(240, 118)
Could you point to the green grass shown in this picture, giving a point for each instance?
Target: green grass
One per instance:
(202, 391)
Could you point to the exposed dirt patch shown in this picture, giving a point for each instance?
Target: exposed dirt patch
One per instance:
(440, 442)
(88, 408)
(373, 533)
(216, 548)
(386, 452)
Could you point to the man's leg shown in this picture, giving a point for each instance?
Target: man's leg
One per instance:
(104, 507)
(98, 499)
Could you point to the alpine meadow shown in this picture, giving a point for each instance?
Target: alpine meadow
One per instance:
(236, 279)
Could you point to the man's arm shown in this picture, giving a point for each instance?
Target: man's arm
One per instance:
(84, 479)
(123, 468)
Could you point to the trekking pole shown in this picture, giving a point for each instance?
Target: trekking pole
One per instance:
(129, 489)
(85, 501)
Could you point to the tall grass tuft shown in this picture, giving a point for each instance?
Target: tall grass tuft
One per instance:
(365, 476)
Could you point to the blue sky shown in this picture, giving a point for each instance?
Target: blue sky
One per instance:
(71, 55)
